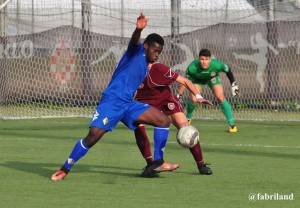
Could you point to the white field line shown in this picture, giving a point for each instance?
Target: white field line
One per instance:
(203, 144)
(24, 139)
(248, 145)
(252, 145)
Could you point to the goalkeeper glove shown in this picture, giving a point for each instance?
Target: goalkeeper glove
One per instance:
(234, 89)
(179, 98)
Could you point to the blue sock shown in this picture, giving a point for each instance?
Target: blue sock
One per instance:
(78, 152)
(160, 141)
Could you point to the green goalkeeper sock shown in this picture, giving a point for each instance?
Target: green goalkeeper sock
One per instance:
(227, 111)
(190, 109)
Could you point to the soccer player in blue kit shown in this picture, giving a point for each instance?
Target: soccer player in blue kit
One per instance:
(117, 102)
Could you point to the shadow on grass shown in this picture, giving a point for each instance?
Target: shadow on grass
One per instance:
(47, 169)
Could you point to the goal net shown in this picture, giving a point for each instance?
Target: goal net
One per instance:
(56, 57)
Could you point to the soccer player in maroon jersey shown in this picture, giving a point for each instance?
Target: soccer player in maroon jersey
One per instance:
(156, 91)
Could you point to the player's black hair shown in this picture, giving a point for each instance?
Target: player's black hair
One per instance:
(205, 52)
(154, 38)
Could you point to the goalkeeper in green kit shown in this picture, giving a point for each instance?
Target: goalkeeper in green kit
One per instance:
(205, 71)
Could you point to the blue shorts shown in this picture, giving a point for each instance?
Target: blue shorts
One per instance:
(112, 109)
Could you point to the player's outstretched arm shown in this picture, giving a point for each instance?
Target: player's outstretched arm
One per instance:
(141, 23)
(186, 83)
(181, 89)
(204, 101)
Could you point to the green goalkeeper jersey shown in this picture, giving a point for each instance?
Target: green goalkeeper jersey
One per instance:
(197, 74)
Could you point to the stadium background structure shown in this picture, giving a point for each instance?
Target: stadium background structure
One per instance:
(40, 79)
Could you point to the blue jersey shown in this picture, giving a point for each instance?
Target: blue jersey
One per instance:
(129, 74)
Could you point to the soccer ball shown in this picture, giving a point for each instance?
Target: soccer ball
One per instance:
(187, 136)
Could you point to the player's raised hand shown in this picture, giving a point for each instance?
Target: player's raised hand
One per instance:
(203, 101)
(141, 22)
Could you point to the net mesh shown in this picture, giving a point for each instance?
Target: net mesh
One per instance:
(56, 57)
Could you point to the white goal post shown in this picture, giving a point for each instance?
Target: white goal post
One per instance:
(56, 57)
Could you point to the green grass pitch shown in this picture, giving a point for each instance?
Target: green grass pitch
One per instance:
(262, 158)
